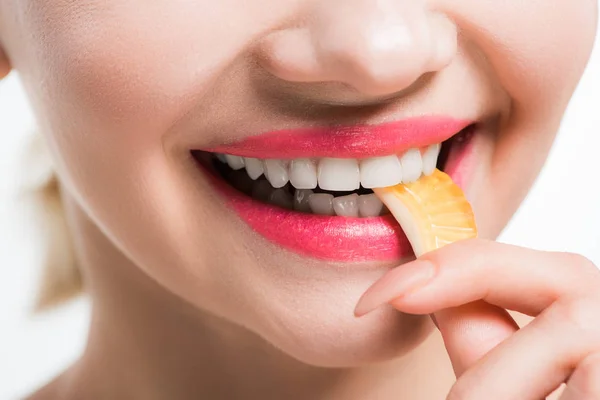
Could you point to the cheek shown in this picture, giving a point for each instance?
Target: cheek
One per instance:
(124, 67)
(116, 76)
(537, 48)
(115, 79)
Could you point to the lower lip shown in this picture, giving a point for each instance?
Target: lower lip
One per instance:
(334, 239)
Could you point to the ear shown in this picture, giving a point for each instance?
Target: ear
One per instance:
(4, 64)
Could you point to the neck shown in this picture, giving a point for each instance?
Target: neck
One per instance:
(147, 343)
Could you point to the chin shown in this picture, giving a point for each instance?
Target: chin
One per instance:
(327, 334)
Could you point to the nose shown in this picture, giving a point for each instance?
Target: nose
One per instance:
(378, 47)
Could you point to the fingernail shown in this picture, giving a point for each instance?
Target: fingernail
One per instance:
(399, 282)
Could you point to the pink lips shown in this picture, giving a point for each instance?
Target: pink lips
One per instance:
(318, 236)
(324, 237)
(358, 141)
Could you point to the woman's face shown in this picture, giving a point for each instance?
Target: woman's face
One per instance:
(125, 90)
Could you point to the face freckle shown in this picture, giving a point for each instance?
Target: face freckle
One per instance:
(127, 91)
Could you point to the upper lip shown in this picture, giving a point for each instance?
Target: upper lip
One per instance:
(350, 141)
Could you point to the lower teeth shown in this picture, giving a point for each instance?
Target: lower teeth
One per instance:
(359, 203)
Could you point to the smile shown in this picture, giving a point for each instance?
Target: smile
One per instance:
(309, 191)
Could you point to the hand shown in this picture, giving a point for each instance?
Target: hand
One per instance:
(468, 285)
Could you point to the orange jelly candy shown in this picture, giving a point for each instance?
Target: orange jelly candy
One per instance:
(432, 211)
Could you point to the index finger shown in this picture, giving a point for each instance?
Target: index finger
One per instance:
(511, 277)
(473, 271)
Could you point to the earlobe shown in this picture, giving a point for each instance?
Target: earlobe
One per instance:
(4, 64)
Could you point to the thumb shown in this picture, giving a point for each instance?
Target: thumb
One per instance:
(471, 331)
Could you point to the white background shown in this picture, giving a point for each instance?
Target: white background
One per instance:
(562, 212)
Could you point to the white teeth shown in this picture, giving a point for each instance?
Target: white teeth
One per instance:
(346, 206)
(301, 197)
(380, 172)
(303, 174)
(430, 158)
(331, 174)
(369, 205)
(254, 167)
(321, 203)
(281, 198)
(235, 162)
(412, 165)
(277, 173)
(339, 174)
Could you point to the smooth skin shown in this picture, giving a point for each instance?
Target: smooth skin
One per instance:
(189, 303)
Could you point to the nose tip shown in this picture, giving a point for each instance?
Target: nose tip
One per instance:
(378, 47)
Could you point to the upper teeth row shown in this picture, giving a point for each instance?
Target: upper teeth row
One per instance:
(340, 174)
